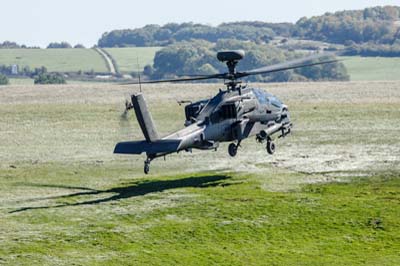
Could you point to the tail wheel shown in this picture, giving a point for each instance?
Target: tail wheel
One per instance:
(232, 149)
(270, 147)
(147, 166)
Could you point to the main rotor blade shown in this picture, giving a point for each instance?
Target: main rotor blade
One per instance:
(287, 64)
(216, 76)
(276, 69)
(294, 64)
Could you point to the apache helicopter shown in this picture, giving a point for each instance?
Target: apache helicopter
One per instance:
(234, 114)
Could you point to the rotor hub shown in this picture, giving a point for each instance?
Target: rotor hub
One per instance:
(231, 58)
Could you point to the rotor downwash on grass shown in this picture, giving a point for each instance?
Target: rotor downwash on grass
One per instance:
(330, 196)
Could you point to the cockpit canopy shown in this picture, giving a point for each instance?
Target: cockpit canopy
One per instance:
(267, 98)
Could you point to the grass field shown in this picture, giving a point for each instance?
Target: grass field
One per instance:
(330, 195)
(127, 58)
(372, 68)
(21, 81)
(63, 60)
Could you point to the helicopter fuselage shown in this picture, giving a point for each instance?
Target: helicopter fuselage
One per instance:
(230, 116)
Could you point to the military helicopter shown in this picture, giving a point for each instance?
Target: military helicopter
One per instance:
(234, 114)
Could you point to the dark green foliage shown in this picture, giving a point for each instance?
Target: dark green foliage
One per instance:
(148, 70)
(154, 35)
(360, 26)
(49, 78)
(14, 45)
(56, 45)
(199, 57)
(9, 45)
(22, 71)
(79, 46)
(371, 49)
(375, 25)
(3, 79)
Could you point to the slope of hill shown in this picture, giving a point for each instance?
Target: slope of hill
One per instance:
(372, 68)
(59, 60)
(127, 58)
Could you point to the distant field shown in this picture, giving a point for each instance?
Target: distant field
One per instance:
(21, 81)
(372, 68)
(63, 60)
(127, 57)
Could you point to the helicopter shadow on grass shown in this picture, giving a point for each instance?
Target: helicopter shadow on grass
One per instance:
(135, 189)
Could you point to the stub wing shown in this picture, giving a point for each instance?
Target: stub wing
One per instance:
(138, 147)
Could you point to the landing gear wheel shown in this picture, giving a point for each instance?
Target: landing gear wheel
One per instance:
(232, 149)
(146, 167)
(270, 147)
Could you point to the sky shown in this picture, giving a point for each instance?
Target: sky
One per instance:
(39, 22)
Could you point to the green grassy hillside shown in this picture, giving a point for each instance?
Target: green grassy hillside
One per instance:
(63, 60)
(127, 58)
(372, 68)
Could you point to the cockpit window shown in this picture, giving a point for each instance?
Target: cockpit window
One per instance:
(275, 102)
(260, 95)
(265, 98)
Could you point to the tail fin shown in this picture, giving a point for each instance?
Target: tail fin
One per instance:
(144, 118)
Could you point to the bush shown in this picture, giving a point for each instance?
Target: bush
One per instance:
(3, 80)
(49, 78)
(56, 45)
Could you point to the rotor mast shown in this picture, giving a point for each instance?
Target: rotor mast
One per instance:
(231, 58)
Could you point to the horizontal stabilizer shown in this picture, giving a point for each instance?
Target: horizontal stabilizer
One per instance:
(138, 147)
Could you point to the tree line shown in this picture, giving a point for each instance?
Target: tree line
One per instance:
(378, 25)
(155, 35)
(14, 45)
(198, 57)
(52, 45)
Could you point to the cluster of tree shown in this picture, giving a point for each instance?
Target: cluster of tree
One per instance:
(199, 58)
(40, 75)
(50, 78)
(373, 50)
(60, 45)
(14, 45)
(22, 71)
(155, 35)
(378, 25)
(3, 79)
